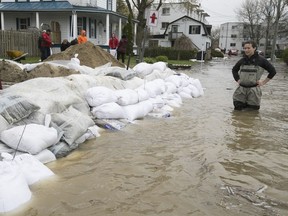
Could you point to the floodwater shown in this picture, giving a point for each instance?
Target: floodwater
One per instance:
(207, 159)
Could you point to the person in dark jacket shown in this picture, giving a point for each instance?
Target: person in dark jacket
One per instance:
(64, 45)
(247, 73)
(121, 50)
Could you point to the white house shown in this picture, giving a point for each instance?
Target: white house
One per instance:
(174, 19)
(65, 18)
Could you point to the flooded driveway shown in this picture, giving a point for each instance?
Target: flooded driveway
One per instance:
(207, 159)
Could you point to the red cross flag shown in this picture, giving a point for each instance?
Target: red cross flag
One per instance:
(153, 17)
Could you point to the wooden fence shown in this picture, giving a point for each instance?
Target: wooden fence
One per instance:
(25, 41)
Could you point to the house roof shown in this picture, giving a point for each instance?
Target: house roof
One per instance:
(47, 6)
(187, 17)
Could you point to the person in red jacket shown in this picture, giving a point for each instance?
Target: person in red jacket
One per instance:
(46, 44)
(113, 44)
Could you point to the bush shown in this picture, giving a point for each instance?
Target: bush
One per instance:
(171, 53)
(215, 53)
(161, 58)
(149, 60)
(285, 56)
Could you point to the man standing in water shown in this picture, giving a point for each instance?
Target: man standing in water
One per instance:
(247, 73)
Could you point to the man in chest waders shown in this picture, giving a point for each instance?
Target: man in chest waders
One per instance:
(247, 73)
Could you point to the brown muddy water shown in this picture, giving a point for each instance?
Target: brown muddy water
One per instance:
(204, 160)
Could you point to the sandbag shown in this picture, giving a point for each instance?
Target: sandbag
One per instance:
(108, 111)
(31, 138)
(13, 108)
(139, 110)
(126, 97)
(72, 122)
(14, 189)
(99, 95)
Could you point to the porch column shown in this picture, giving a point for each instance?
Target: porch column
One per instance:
(74, 24)
(120, 28)
(107, 28)
(2, 21)
(37, 20)
(135, 32)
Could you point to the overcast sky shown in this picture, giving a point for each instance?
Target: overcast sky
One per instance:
(220, 11)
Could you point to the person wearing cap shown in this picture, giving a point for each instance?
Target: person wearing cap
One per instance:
(46, 44)
(82, 37)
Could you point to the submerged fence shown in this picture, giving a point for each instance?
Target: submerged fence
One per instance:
(25, 41)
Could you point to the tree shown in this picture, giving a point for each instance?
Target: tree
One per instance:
(280, 8)
(215, 36)
(122, 8)
(251, 14)
(141, 6)
(183, 43)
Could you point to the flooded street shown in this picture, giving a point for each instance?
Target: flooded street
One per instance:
(206, 159)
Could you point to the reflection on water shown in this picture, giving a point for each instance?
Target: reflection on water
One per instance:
(207, 159)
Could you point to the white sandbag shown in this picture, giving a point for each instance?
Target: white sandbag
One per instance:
(121, 73)
(99, 95)
(108, 111)
(14, 189)
(155, 87)
(126, 97)
(161, 66)
(173, 100)
(194, 91)
(155, 74)
(32, 168)
(91, 133)
(157, 102)
(142, 94)
(184, 94)
(170, 87)
(13, 108)
(198, 85)
(167, 108)
(176, 79)
(139, 110)
(45, 156)
(159, 113)
(133, 83)
(72, 122)
(185, 89)
(142, 69)
(31, 138)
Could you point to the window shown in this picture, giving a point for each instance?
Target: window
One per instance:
(164, 25)
(109, 4)
(194, 29)
(234, 27)
(232, 44)
(92, 28)
(165, 11)
(22, 23)
(81, 24)
(233, 36)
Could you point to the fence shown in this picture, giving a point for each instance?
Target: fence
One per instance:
(25, 41)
